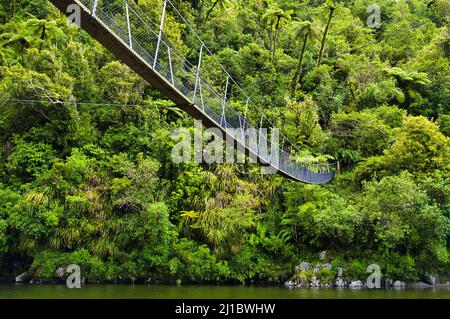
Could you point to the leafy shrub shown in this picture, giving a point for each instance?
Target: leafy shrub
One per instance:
(326, 276)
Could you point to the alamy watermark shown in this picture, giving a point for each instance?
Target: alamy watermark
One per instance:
(374, 279)
(74, 14)
(374, 19)
(74, 279)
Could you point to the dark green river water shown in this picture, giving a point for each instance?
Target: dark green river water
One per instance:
(21, 291)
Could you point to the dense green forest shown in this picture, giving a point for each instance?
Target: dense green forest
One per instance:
(86, 175)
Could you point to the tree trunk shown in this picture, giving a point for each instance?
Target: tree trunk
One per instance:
(275, 40)
(298, 71)
(210, 10)
(270, 33)
(42, 38)
(319, 60)
(198, 6)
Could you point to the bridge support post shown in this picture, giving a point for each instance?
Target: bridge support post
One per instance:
(160, 33)
(94, 8)
(127, 11)
(200, 89)
(223, 118)
(245, 120)
(260, 132)
(170, 66)
(197, 77)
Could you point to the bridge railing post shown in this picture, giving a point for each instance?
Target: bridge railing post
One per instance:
(127, 12)
(244, 126)
(240, 126)
(170, 66)
(283, 155)
(223, 118)
(291, 162)
(273, 145)
(94, 8)
(260, 133)
(200, 90)
(160, 33)
(197, 77)
(255, 140)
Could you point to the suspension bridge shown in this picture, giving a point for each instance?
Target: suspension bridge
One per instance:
(141, 43)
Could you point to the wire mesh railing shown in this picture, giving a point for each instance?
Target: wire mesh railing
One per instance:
(207, 87)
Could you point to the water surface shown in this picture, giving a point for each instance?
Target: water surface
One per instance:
(123, 291)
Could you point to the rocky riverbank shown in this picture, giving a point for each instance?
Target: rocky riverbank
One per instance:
(323, 274)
